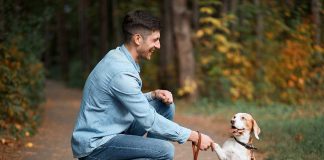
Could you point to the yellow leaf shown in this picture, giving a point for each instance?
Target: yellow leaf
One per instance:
(220, 38)
(207, 10)
(29, 145)
(27, 134)
(318, 48)
(234, 92)
(222, 48)
(199, 33)
(18, 126)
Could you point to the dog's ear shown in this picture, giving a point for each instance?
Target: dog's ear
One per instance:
(256, 129)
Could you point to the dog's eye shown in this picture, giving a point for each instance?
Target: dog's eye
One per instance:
(243, 118)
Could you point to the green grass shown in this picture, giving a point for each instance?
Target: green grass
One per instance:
(287, 132)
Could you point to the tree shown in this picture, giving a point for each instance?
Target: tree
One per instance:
(2, 21)
(104, 26)
(184, 48)
(84, 35)
(316, 11)
(167, 57)
(62, 39)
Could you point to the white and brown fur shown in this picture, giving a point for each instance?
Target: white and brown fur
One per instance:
(243, 125)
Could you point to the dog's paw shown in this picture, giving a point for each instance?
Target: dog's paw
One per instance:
(216, 146)
(219, 151)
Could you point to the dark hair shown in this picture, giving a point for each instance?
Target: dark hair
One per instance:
(138, 22)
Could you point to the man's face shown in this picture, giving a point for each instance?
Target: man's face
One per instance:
(148, 45)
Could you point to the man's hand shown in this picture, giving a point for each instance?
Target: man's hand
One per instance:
(206, 141)
(163, 95)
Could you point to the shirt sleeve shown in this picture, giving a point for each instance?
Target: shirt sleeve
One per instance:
(148, 96)
(126, 87)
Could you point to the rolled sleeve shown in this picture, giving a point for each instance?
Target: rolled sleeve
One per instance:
(149, 96)
(126, 87)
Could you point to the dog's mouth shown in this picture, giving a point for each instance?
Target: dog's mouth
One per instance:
(237, 130)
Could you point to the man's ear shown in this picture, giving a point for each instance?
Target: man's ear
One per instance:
(137, 39)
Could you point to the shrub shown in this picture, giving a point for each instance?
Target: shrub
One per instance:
(21, 90)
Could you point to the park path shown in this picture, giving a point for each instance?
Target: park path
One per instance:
(52, 141)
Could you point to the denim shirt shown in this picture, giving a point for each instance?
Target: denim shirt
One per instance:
(112, 100)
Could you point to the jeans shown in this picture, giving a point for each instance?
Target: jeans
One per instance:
(131, 144)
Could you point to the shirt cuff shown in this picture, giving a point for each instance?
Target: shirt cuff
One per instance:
(148, 96)
(185, 135)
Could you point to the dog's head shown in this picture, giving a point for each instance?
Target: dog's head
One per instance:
(244, 123)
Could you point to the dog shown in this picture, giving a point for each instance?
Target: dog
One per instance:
(239, 146)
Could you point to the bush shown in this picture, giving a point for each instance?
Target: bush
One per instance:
(21, 90)
(22, 74)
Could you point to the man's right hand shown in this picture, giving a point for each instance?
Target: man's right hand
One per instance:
(206, 141)
(164, 95)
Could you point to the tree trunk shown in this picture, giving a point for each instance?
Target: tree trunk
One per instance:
(116, 24)
(84, 35)
(103, 27)
(184, 49)
(316, 11)
(62, 40)
(195, 13)
(2, 20)
(167, 56)
(225, 7)
(111, 33)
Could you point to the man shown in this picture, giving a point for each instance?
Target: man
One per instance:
(115, 114)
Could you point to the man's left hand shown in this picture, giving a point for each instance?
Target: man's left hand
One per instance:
(163, 95)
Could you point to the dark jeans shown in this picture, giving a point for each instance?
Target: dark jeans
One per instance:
(133, 145)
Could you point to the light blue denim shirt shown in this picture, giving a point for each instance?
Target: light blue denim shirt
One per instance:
(112, 100)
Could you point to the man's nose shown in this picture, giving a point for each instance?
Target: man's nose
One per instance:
(157, 45)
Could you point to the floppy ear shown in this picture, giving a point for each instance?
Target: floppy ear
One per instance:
(256, 129)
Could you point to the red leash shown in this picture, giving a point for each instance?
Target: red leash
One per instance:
(195, 148)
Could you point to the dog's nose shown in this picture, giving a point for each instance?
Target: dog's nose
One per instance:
(232, 121)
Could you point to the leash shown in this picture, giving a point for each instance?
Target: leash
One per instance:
(195, 148)
(247, 146)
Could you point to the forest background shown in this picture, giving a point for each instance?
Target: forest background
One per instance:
(268, 54)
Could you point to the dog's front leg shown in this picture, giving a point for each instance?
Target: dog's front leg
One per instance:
(220, 152)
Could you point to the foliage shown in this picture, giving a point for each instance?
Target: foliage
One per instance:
(283, 65)
(21, 85)
(21, 71)
(228, 70)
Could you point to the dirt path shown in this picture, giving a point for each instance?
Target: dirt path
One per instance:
(53, 139)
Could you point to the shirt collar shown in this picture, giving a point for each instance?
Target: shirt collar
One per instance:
(130, 58)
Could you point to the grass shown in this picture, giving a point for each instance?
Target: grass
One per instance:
(287, 131)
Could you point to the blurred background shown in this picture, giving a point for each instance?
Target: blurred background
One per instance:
(217, 57)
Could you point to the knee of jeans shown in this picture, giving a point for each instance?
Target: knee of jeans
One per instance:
(171, 111)
(167, 149)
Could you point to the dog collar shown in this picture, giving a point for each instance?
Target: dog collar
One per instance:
(247, 146)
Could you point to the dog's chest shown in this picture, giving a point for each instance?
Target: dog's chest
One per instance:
(235, 151)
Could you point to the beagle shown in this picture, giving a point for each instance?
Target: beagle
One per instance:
(239, 147)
